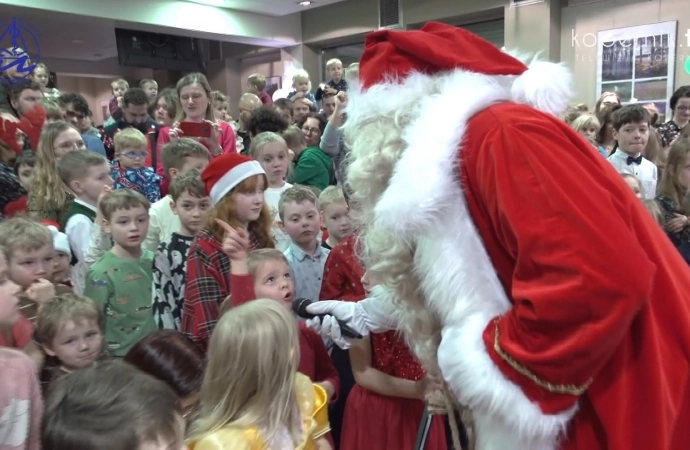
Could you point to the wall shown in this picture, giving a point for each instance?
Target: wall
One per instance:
(106, 68)
(617, 14)
(94, 90)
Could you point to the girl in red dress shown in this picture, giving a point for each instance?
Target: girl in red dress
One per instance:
(385, 408)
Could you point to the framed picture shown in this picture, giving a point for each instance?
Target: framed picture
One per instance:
(638, 63)
(273, 84)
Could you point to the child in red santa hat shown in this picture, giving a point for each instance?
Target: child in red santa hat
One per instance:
(236, 185)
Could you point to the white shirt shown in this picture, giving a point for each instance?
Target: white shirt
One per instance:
(162, 223)
(78, 231)
(646, 171)
(272, 198)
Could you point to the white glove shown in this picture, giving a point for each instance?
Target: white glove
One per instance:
(330, 329)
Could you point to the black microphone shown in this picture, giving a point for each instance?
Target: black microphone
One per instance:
(299, 307)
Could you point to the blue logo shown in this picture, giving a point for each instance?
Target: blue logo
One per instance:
(17, 42)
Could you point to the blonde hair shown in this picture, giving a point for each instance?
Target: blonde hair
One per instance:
(23, 233)
(260, 140)
(250, 377)
(670, 186)
(300, 75)
(630, 176)
(375, 147)
(52, 108)
(119, 82)
(257, 80)
(331, 195)
(584, 121)
(653, 208)
(146, 81)
(352, 73)
(333, 62)
(74, 165)
(129, 138)
(574, 111)
(47, 190)
(257, 257)
(61, 309)
(122, 199)
(194, 78)
(219, 97)
(296, 194)
(294, 137)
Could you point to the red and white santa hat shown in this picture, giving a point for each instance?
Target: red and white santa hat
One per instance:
(392, 58)
(227, 171)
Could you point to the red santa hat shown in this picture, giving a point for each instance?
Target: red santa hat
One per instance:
(226, 172)
(394, 57)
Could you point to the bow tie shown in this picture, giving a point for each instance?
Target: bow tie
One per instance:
(637, 160)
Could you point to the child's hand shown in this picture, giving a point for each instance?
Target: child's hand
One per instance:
(330, 91)
(427, 385)
(120, 102)
(235, 242)
(298, 95)
(42, 291)
(677, 224)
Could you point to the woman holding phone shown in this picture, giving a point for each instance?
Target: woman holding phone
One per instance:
(195, 120)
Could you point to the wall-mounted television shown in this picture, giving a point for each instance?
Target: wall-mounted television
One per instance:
(159, 51)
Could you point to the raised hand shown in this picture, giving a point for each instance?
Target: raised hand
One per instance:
(235, 242)
(41, 291)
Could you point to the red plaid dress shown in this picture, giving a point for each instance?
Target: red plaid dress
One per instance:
(208, 285)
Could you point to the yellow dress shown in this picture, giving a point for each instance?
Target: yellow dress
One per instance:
(313, 406)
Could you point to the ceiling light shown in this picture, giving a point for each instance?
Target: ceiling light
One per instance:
(305, 3)
(209, 2)
(77, 41)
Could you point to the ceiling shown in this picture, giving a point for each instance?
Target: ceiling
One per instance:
(268, 7)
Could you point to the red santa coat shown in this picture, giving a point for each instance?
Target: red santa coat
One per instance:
(566, 317)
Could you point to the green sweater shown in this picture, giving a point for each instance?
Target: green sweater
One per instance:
(122, 287)
(313, 168)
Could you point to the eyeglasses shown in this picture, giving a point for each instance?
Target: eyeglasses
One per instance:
(682, 108)
(311, 130)
(67, 146)
(135, 155)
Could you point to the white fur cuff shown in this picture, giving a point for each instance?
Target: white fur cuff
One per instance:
(504, 417)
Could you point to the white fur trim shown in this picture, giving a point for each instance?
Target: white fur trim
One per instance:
(545, 86)
(233, 177)
(425, 203)
(60, 241)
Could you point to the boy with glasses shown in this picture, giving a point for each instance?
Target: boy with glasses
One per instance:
(129, 169)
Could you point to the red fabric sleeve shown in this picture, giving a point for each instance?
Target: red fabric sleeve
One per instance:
(228, 141)
(560, 239)
(242, 288)
(163, 138)
(206, 289)
(19, 335)
(115, 110)
(325, 370)
(18, 206)
(342, 274)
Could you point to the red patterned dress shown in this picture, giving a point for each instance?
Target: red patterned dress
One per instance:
(374, 421)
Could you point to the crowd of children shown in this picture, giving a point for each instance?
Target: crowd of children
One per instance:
(146, 298)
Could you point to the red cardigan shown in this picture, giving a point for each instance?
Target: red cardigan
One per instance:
(315, 362)
(343, 273)
(226, 140)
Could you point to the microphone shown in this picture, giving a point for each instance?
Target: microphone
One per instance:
(299, 307)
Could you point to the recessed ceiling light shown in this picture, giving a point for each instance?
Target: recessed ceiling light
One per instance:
(305, 3)
(77, 41)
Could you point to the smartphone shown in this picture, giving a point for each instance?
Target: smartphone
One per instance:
(196, 129)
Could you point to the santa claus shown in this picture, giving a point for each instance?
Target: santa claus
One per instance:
(510, 254)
